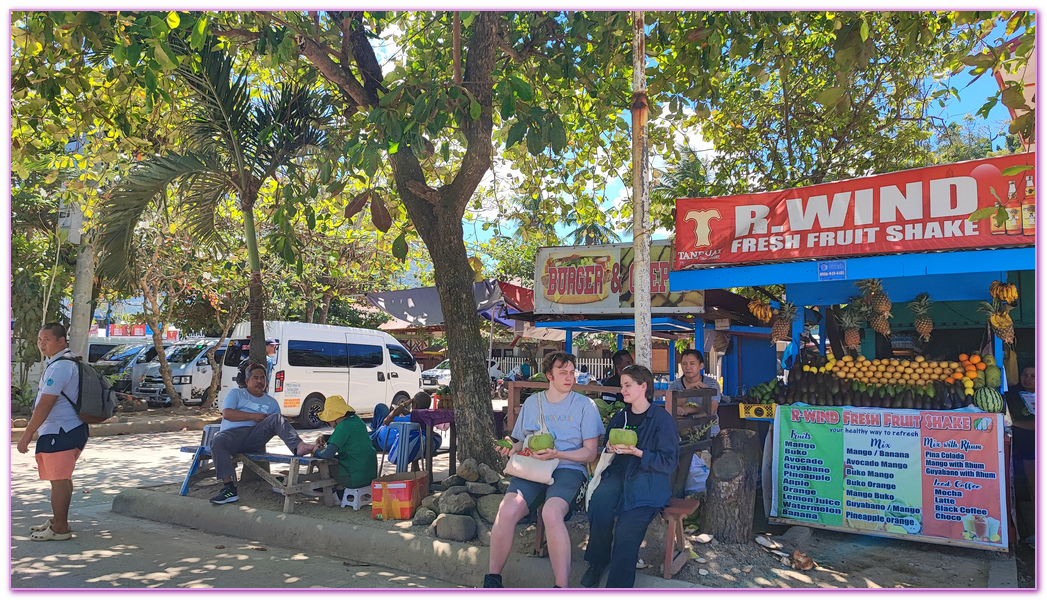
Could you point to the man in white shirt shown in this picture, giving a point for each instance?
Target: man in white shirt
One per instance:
(250, 418)
(63, 435)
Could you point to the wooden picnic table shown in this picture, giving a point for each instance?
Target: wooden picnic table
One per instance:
(315, 476)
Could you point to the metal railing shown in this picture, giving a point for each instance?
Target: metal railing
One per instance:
(597, 366)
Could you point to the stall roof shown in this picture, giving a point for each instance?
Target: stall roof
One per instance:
(663, 324)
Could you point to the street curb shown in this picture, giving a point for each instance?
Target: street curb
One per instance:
(157, 425)
(454, 562)
(1003, 572)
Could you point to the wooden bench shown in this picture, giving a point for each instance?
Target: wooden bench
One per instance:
(316, 476)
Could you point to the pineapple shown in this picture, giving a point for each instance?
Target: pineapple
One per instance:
(874, 296)
(880, 323)
(782, 327)
(999, 320)
(851, 322)
(921, 320)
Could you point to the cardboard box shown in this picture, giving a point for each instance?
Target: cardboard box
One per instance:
(397, 496)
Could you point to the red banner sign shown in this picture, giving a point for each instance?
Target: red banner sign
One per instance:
(919, 210)
(117, 330)
(138, 330)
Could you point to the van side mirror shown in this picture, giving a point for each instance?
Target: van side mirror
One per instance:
(202, 363)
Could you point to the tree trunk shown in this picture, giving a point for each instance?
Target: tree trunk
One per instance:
(83, 286)
(731, 487)
(151, 304)
(310, 303)
(325, 307)
(256, 291)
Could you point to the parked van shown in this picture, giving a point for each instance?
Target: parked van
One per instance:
(99, 345)
(127, 364)
(190, 371)
(365, 366)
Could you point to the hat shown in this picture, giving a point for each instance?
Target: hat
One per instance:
(269, 341)
(335, 407)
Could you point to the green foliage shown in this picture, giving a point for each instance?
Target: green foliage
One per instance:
(514, 259)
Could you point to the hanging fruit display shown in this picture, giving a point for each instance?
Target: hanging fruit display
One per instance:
(999, 319)
(922, 322)
(782, 327)
(1004, 292)
(761, 310)
(879, 305)
(851, 318)
(887, 383)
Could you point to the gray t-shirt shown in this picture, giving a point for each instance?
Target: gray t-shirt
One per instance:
(571, 421)
(60, 378)
(677, 384)
(241, 399)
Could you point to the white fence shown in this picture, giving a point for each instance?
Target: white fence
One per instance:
(597, 366)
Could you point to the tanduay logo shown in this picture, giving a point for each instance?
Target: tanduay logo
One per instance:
(921, 210)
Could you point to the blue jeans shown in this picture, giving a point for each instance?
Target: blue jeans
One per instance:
(615, 536)
(249, 439)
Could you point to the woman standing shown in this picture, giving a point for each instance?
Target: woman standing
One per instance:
(692, 362)
(635, 487)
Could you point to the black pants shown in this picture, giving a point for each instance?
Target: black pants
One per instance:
(615, 538)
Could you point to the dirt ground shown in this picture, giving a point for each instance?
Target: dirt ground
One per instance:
(842, 560)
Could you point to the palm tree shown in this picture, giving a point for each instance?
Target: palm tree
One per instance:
(529, 215)
(589, 234)
(688, 178)
(231, 145)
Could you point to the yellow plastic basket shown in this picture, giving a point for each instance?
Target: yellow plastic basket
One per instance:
(758, 412)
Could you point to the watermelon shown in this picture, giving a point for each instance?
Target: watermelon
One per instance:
(988, 399)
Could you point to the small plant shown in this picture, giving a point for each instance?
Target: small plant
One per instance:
(444, 391)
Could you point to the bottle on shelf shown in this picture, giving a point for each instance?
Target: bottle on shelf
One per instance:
(1029, 208)
(1013, 226)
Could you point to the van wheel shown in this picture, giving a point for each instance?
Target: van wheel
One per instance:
(310, 415)
(398, 399)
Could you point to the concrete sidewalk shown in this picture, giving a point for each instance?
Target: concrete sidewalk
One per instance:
(121, 424)
(454, 562)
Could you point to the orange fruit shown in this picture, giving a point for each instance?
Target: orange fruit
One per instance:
(957, 375)
(980, 366)
(963, 357)
(950, 380)
(971, 374)
(967, 365)
(976, 359)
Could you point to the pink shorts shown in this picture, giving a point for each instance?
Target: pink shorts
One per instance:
(54, 466)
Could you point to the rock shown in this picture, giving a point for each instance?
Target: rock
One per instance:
(502, 485)
(640, 564)
(457, 489)
(456, 504)
(703, 572)
(704, 538)
(487, 506)
(483, 528)
(460, 528)
(747, 569)
(452, 481)
(487, 474)
(468, 470)
(795, 538)
(432, 502)
(477, 488)
(20, 423)
(424, 516)
(700, 560)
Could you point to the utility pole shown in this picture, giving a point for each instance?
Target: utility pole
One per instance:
(641, 275)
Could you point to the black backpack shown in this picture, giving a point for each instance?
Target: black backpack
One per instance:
(95, 402)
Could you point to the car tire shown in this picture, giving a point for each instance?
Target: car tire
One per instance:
(309, 418)
(398, 398)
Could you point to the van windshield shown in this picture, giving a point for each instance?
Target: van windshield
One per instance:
(123, 352)
(184, 354)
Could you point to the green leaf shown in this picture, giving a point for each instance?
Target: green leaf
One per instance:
(1014, 97)
(370, 161)
(557, 135)
(1001, 216)
(400, 246)
(522, 89)
(173, 20)
(119, 53)
(508, 107)
(516, 133)
(325, 173)
(1017, 169)
(535, 143)
(199, 35)
(311, 220)
(445, 151)
(830, 96)
(474, 110)
(865, 30)
(982, 213)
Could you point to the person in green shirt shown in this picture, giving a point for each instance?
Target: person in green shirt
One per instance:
(350, 443)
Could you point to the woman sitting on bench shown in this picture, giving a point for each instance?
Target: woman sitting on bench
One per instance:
(635, 487)
(350, 443)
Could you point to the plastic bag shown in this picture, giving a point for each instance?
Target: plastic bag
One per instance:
(696, 476)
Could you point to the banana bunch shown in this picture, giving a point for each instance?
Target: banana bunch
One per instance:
(761, 310)
(1004, 292)
(1000, 320)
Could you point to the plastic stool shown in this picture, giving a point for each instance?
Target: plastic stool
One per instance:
(403, 443)
(359, 497)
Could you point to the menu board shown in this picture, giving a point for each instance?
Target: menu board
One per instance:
(932, 475)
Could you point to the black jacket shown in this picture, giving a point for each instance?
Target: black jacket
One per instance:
(648, 478)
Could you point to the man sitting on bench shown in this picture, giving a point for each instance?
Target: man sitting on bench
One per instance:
(250, 418)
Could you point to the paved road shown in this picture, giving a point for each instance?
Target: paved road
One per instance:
(114, 551)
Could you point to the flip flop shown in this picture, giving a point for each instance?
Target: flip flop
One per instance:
(50, 536)
(41, 527)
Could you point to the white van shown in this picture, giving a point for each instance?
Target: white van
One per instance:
(365, 366)
(190, 372)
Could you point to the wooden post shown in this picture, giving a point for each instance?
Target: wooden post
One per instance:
(731, 487)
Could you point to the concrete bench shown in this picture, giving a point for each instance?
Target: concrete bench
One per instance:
(315, 477)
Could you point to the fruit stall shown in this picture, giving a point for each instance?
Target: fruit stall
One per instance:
(890, 433)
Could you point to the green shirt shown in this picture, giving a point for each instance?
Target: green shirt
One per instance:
(357, 459)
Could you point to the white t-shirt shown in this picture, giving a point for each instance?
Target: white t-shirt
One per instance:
(571, 421)
(60, 377)
(241, 399)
